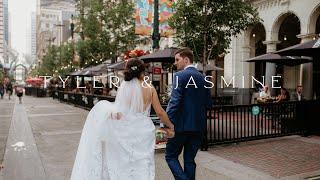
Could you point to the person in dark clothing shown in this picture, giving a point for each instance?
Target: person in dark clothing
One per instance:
(1, 90)
(9, 89)
(187, 110)
(19, 92)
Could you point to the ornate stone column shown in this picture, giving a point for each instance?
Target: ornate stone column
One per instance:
(306, 70)
(270, 67)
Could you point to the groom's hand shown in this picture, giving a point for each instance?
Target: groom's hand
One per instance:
(116, 116)
(170, 133)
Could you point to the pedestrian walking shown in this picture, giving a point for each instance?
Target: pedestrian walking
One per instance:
(9, 89)
(19, 92)
(1, 90)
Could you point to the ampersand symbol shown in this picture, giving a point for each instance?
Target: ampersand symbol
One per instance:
(146, 83)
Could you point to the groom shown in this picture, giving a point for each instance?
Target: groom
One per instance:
(187, 111)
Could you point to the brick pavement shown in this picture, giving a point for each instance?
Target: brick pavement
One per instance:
(280, 157)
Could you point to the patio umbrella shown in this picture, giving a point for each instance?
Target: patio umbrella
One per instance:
(76, 73)
(165, 55)
(102, 68)
(284, 60)
(34, 81)
(118, 65)
(122, 66)
(311, 48)
(93, 70)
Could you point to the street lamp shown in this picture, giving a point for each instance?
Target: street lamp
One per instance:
(185, 30)
(61, 29)
(156, 34)
(72, 40)
(72, 27)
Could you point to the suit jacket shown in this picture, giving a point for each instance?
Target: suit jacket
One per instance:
(294, 97)
(187, 108)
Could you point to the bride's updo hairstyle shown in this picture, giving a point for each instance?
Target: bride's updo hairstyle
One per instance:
(134, 68)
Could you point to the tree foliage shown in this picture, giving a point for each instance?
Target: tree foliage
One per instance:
(57, 60)
(207, 26)
(106, 28)
(49, 61)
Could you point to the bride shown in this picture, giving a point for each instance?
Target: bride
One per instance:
(118, 139)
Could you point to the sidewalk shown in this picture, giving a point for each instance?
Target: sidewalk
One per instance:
(291, 157)
(6, 109)
(54, 132)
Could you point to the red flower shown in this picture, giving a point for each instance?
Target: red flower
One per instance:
(134, 53)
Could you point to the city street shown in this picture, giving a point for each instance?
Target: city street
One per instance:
(257, 61)
(42, 140)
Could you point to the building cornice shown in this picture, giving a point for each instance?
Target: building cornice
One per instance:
(307, 36)
(267, 4)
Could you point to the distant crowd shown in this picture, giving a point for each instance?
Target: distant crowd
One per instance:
(7, 88)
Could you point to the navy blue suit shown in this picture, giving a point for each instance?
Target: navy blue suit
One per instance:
(187, 111)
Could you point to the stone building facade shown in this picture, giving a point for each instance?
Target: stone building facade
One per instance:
(284, 23)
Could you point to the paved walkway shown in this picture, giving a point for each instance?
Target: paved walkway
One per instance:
(291, 157)
(44, 136)
(6, 109)
(22, 160)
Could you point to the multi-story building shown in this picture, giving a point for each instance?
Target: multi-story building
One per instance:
(4, 32)
(284, 23)
(2, 28)
(33, 35)
(53, 23)
(6, 21)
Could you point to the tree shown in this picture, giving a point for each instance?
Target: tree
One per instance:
(106, 28)
(49, 62)
(10, 56)
(207, 26)
(66, 62)
(1, 75)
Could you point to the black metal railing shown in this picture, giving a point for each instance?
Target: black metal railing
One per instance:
(35, 91)
(86, 101)
(222, 100)
(230, 124)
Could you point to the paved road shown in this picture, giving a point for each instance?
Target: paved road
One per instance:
(43, 140)
(22, 160)
(42, 135)
(6, 109)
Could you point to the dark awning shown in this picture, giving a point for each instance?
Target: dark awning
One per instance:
(311, 48)
(165, 55)
(284, 60)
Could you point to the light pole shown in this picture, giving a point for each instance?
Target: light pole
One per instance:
(61, 29)
(72, 40)
(156, 34)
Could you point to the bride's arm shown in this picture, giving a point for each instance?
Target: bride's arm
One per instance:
(159, 110)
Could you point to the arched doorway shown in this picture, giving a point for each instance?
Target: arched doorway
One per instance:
(257, 37)
(20, 72)
(314, 27)
(318, 26)
(289, 29)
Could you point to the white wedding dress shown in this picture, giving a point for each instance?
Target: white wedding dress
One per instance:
(112, 149)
